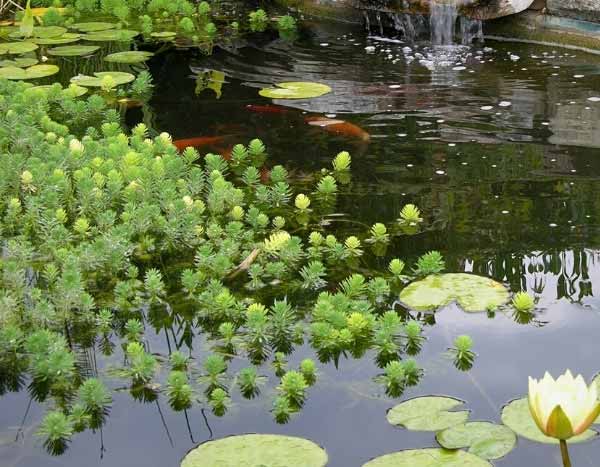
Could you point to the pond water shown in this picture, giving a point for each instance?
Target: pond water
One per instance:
(497, 144)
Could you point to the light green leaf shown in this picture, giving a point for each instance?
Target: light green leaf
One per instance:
(123, 35)
(66, 38)
(20, 62)
(429, 413)
(484, 439)
(257, 450)
(73, 50)
(517, 417)
(33, 72)
(49, 32)
(133, 56)
(295, 90)
(119, 77)
(26, 26)
(73, 90)
(430, 457)
(473, 293)
(17, 47)
(163, 34)
(93, 26)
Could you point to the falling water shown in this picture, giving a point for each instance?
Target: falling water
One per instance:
(410, 27)
(380, 24)
(470, 29)
(367, 22)
(442, 22)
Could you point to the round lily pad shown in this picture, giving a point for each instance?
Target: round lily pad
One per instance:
(66, 38)
(429, 413)
(17, 47)
(73, 90)
(517, 417)
(295, 90)
(473, 293)
(93, 26)
(46, 32)
(123, 35)
(33, 72)
(255, 450)
(430, 457)
(73, 50)
(20, 62)
(96, 81)
(484, 439)
(133, 56)
(163, 34)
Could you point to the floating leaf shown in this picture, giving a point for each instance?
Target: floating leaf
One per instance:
(517, 417)
(73, 50)
(133, 56)
(123, 35)
(17, 47)
(26, 26)
(295, 90)
(473, 293)
(66, 38)
(429, 413)
(163, 34)
(20, 62)
(119, 77)
(93, 26)
(484, 439)
(210, 79)
(257, 451)
(431, 457)
(73, 90)
(48, 32)
(33, 72)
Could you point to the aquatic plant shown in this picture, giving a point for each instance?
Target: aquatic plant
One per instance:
(342, 161)
(178, 361)
(57, 430)
(431, 262)
(286, 24)
(95, 399)
(463, 353)
(214, 372)
(302, 202)
(279, 364)
(393, 378)
(414, 338)
(249, 382)
(219, 401)
(179, 391)
(308, 369)
(410, 214)
(293, 387)
(523, 302)
(396, 267)
(353, 245)
(313, 275)
(142, 365)
(282, 409)
(258, 20)
(412, 372)
(379, 233)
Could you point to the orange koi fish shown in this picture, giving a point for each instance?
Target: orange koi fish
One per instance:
(198, 142)
(339, 127)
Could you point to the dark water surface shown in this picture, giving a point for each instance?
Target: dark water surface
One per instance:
(511, 191)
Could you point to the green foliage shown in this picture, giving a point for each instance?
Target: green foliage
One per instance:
(523, 302)
(293, 387)
(430, 263)
(57, 430)
(463, 353)
(258, 20)
(410, 214)
(179, 391)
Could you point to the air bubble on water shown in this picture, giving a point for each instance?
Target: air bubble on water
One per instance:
(504, 104)
(487, 107)
(440, 172)
(552, 224)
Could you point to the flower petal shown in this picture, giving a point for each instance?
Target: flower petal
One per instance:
(558, 425)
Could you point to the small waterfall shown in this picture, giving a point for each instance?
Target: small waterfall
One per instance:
(409, 26)
(442, 22)
(470, 29)
(367, 22)
(380, 24)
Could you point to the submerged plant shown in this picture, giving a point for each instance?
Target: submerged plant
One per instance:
(279, 364)
(96, 400)
(249, 382)
(414, 338)
(412, 372)
(282, 409)
(57, 430)
(342, 161)
(308, 369)
(214, 372)
(293, 387)
(394, 378)
(179, 391)
(219, 401)
(379, 234)
(463, 353)
(410, 214)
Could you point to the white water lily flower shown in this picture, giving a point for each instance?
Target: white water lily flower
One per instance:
(564, 407)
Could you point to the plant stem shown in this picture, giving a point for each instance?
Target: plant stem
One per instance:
(565, 453)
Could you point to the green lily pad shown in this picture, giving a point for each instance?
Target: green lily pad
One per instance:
(96, 81)
(517, 417)
(17, 47)
(255, 450)
(484, 439)
(73, 90)
(163, 34)
(20, 62)
(429, 413)
(430, 457)
(73, 50)
(473, 293)
(123, 35)
(133, 56)
(33, 72)
(66, 38)
(93, 26)
(295, 90)
(47, 32)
